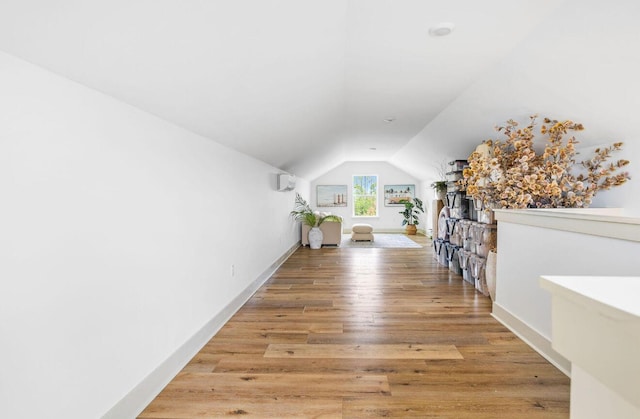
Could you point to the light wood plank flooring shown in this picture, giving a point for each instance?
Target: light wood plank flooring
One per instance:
(364, 333)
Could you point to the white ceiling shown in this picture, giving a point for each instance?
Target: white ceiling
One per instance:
(303, 85)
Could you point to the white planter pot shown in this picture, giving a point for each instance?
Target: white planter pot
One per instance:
(315, 238)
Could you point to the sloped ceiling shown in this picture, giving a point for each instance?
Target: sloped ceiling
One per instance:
(302, 85)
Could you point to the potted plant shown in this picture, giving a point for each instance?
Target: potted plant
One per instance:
(302, 212)
(411, 212)
(300, 209)
(440, 188)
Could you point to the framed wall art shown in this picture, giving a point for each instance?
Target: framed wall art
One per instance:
(397, 195)
(331, 195)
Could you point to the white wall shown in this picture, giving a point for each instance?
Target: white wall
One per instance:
(118, 235)
(529, 247)
(530, 252)
(388, 218)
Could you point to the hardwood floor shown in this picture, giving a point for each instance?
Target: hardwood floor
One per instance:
(362, 333)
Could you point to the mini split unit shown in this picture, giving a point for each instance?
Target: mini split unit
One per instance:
(286, 182)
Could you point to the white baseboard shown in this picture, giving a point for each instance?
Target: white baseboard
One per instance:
(137, 399)
(531, 337)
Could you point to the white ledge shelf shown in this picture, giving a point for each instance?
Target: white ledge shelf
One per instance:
(603, 222)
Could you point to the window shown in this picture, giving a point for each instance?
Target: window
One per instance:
(365, 196)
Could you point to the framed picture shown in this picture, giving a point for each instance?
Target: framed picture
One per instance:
(397, 195)
(331, 195)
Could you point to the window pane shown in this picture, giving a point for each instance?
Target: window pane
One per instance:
(365, 196)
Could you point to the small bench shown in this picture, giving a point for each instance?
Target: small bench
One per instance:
(362, 232)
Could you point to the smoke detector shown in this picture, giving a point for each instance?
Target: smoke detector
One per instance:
(441, 29)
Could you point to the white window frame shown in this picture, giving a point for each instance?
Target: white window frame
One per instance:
(354, 195)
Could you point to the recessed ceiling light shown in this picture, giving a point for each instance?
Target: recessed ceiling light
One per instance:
(372, 148)
(441, 29)
(389, 120)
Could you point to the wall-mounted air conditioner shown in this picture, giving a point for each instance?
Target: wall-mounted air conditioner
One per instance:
(286, 182)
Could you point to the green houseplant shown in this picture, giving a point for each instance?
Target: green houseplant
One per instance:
(302, 212)
(300, 209)
(411, 212)
(440, 188)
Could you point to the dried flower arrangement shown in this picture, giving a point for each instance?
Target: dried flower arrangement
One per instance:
(515, 176)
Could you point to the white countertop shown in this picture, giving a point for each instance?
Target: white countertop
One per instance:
(617, 297)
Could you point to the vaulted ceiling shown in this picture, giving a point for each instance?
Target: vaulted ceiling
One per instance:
(303, 85)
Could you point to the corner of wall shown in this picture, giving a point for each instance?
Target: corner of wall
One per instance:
(531, 337)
